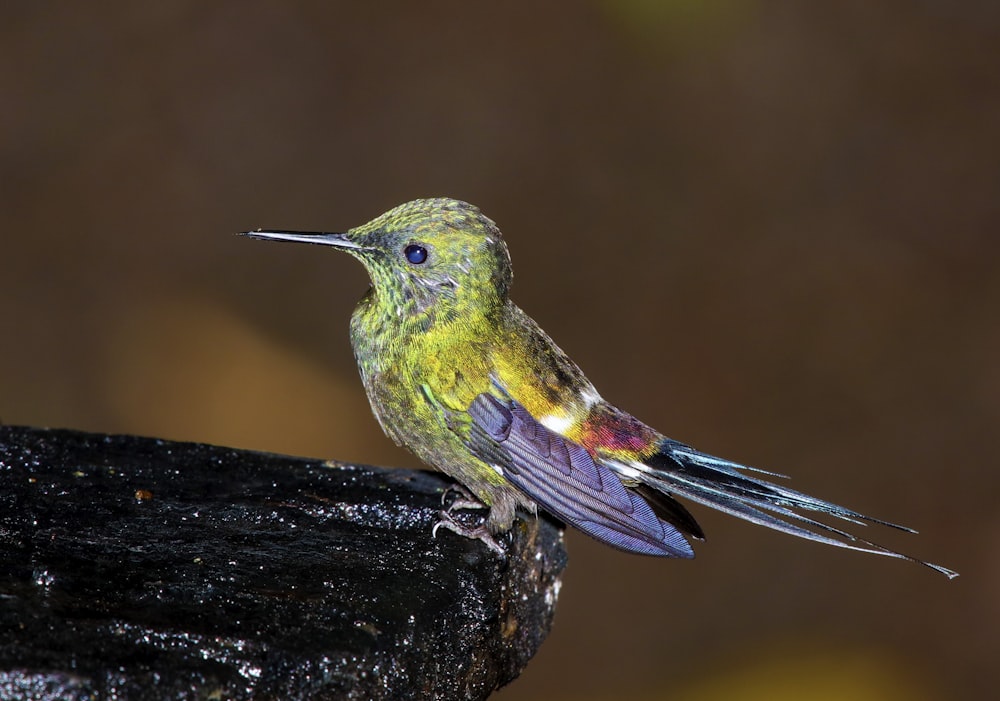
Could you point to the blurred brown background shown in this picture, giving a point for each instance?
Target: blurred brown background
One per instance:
(768, 228)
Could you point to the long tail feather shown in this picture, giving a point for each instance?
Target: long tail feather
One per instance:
(680, 470)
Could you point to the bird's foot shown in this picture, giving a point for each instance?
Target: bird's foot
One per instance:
(479, 532)
(457, 497)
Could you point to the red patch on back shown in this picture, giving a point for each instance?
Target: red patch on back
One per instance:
(608, 430)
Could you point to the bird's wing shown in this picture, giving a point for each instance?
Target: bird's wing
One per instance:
(563, 478)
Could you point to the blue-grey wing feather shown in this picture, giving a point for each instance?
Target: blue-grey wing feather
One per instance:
(563, 478)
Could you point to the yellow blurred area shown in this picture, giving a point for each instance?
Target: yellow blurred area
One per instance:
(797, 671)
(669, 24)
(788, 671)
(791, 672)
(188, 369)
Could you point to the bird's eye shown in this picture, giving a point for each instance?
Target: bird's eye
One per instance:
(415, 253)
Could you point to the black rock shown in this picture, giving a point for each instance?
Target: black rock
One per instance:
(134, 568)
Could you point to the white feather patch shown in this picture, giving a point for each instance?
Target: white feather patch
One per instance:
(559, 423)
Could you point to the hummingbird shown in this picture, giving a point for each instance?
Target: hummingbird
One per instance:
(462, 377)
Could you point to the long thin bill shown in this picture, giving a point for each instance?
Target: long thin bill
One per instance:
(317, 237)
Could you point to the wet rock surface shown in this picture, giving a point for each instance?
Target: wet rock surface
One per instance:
(136, 568)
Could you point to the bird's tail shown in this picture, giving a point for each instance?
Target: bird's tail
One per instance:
(679, 470)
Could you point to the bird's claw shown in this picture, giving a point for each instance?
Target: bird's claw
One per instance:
(480, 532)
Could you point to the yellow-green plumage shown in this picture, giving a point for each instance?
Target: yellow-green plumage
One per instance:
(428, 346)
(458, 374)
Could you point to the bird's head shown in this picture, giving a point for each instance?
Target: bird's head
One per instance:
(429, 253)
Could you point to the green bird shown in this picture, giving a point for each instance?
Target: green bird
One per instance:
(463, 378)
